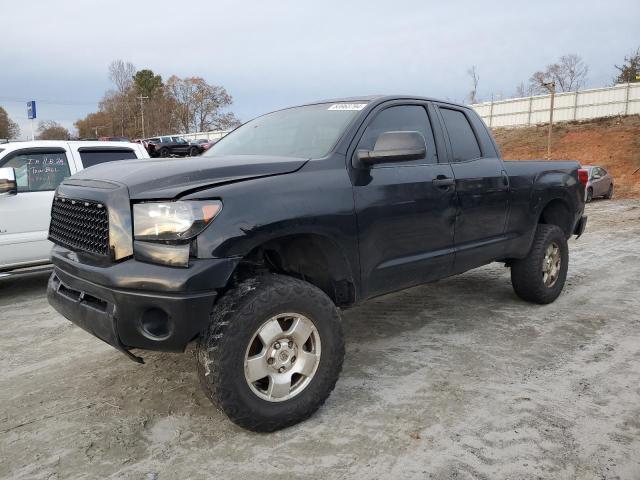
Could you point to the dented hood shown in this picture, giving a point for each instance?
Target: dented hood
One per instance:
(165, 179)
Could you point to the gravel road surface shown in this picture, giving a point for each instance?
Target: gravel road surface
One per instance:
(453, 380)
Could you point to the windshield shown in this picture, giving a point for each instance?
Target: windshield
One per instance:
(305, 132)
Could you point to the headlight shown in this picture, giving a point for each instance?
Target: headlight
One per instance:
(173, 221)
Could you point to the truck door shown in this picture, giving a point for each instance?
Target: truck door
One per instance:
(405, 219)
(482, 187)
(24, 217)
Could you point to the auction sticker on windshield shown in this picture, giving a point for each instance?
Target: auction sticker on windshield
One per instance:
(347, 106)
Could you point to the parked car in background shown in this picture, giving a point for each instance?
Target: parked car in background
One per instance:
(29, 174)
(206, 143)
(114, 139)
(600, 183)
(168, 146)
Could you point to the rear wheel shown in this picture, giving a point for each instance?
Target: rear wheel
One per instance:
(272, 353)
(589, 195)
(540, 276)
(609, 194)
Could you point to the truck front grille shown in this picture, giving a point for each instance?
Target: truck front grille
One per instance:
(80, 224)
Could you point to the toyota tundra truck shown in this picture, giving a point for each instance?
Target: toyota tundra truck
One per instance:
(253, 249)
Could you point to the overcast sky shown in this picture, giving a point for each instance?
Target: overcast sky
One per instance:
(278, 53)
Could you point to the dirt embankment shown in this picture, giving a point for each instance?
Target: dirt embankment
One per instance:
(613, 143)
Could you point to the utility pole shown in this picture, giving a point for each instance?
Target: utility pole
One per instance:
(551, 86)
(142, 99)
(95, 129)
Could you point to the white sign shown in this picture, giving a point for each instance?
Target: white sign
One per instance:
(347, 106)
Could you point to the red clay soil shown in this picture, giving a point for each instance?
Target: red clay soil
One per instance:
(613, 143)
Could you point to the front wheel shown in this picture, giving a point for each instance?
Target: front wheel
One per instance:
(589, 195)
(194, 152)
(540, 276)
(272, 353)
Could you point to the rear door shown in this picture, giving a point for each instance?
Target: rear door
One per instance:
(482, 188)
(180, 145)
(405, 220)
(24, 217)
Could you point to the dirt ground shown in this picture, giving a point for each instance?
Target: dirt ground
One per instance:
(454, 380)
(611, 142)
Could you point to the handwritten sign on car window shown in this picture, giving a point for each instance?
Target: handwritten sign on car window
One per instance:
(39, 171)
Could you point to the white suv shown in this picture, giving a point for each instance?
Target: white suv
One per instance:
(29, 174)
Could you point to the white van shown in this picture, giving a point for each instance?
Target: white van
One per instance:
(29, 174)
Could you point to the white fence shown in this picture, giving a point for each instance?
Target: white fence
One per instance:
(212, 135)
(623, 99)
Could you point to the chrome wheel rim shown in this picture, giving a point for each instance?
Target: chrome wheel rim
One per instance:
(282, 357)
(551, 265)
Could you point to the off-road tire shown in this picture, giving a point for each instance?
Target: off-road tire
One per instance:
(235, 319)
(589, 195)
(609, 194)
(527, 273)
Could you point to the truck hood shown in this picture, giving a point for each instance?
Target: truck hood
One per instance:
(149, 179)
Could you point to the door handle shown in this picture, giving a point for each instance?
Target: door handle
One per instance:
(505, 179)
(443, 182)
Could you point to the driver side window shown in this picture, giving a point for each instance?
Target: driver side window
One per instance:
(401, 118)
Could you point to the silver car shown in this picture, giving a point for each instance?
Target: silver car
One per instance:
(600, 183)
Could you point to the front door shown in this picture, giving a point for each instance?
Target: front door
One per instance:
(25, 217)
(405, 220)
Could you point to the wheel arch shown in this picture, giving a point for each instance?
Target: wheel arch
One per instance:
(313, 257)
(557, 211)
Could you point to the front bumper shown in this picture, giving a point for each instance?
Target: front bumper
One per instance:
(133, 304)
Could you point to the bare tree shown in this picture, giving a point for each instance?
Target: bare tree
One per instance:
(569, 74)
(199, 104)
(52, 130)
(475, 77)
(121, 75)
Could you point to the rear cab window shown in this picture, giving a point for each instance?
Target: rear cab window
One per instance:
(464, 144)
(95, 156)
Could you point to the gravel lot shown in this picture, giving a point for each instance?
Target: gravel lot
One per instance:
(457, 379)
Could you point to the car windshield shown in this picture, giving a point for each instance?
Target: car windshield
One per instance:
(305, 132)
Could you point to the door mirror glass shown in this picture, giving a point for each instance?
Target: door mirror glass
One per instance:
(8, 185)
(394, 147)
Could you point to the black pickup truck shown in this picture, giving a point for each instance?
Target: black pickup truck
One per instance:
(252, 248)
(172, 146)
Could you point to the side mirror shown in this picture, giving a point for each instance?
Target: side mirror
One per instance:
(394, 147)
(8, 184)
